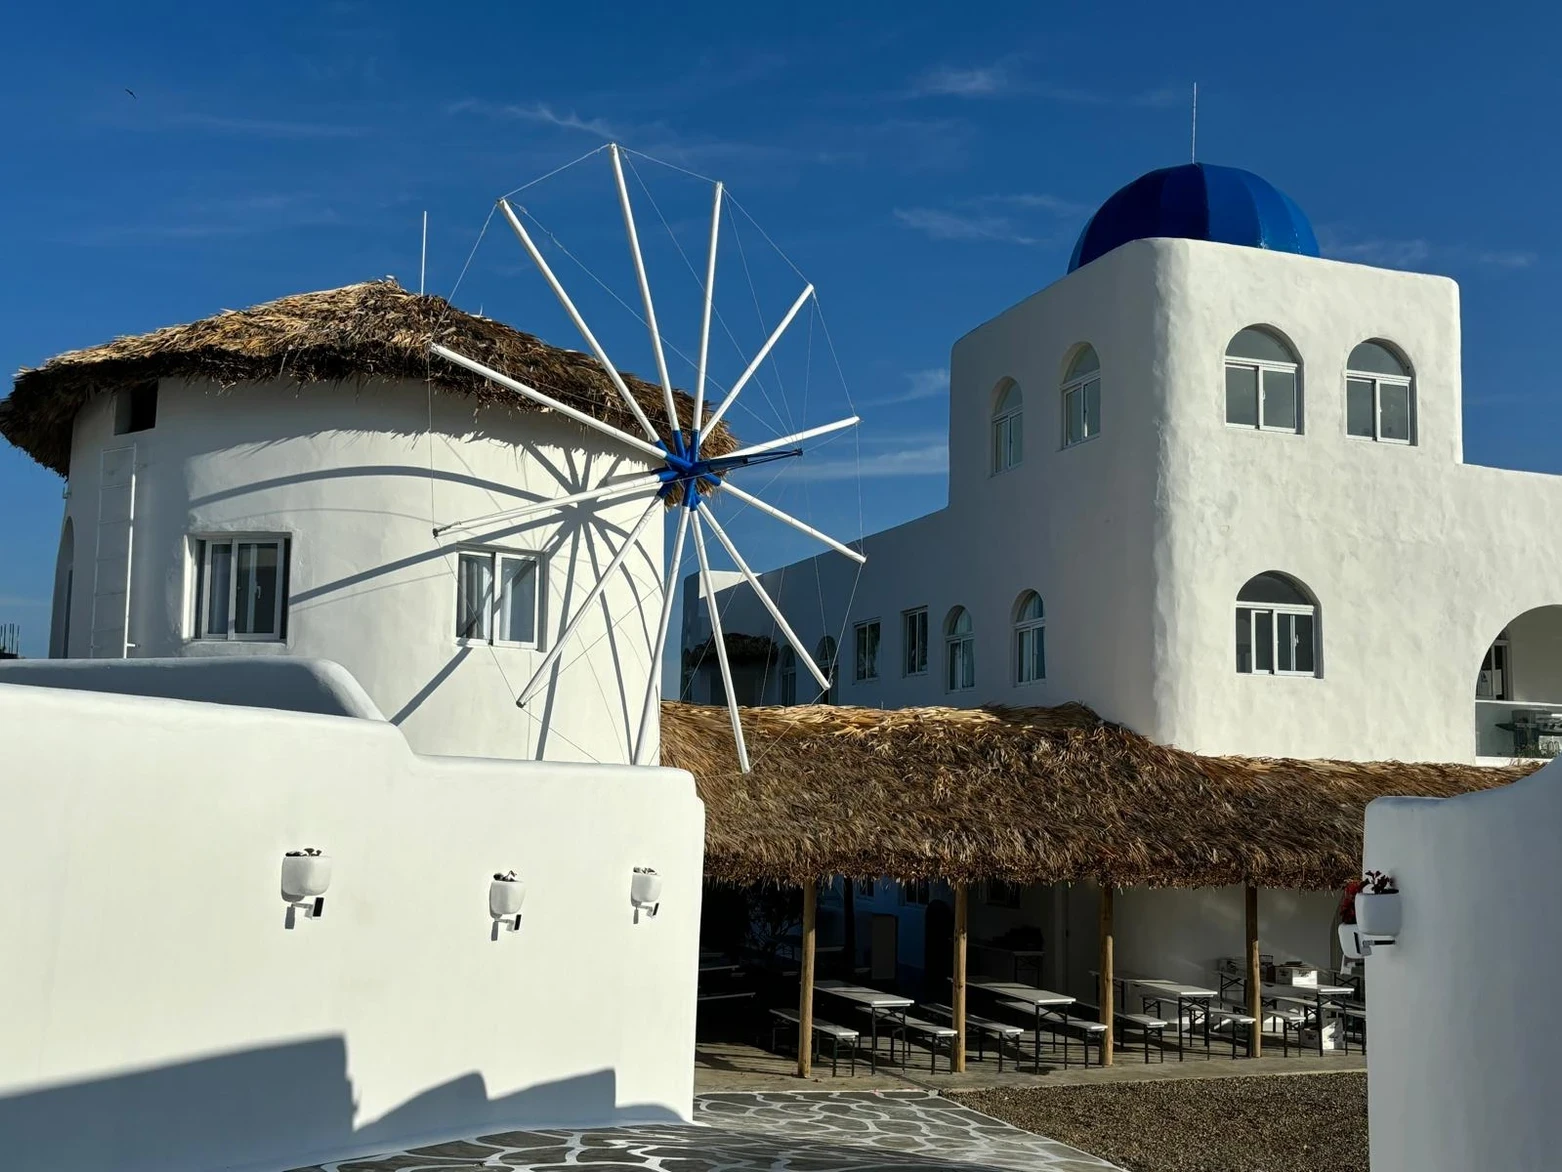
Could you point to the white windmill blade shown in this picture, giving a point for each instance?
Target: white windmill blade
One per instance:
(764, 351)
(795, 437)
(652, 480)
(574, 314)
(645, 288)
(710, 292)
(592, 595)
(769, 603)
(659, 454)
(654, 681)
(721, 645)
(801, 527)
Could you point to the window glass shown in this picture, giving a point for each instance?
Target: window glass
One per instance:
(1260, 345)
(255, 596)
(219, 589)
(1273, 588)
(1305, 644)
(1085, 362)
(914, 633)
(1075, 409)
(1285, 642)
(1394, 411)
(1371, 358)
(1092, 392)
(1358, 407)
(1242, 395)
(1263, 640)
(867, 651)
(1280, 399)
(474, 595)
(1244, 640)
(518, 600)
(1011, 400)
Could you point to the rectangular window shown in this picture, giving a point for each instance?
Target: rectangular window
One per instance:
(913, 625)
(240, 588)
(1380, 409)
(1081, 412)
(867, 646)
(1030, 654)
(962, 664)
(917, 893)
(1277, 641)
(1277, 408)
(497, 597)
(135, 408)
(1008, 441)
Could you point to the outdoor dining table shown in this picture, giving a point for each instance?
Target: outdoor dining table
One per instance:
(1041, 1000)
(1154, 991)
(1308, 996)
(876, 1001)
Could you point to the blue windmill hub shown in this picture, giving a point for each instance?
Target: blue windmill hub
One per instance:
(686, 467)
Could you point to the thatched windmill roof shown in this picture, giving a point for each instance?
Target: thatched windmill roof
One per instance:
(373, 330)
(1027, 795)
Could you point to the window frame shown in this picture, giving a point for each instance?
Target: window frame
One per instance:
(497, 555)
(860, 631)
(1036, 627)
(200, 546)
(1378, 382)
(1008, 425)
(965, 643)
(910, 643)
(915, 892)
(1078, 383)
(1274, 610)
(788, 677)
(1260, 366)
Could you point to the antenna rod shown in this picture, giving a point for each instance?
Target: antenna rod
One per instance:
(1193, 147)
(423, 263)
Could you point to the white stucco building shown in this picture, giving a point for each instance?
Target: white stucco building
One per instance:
(1213, 486)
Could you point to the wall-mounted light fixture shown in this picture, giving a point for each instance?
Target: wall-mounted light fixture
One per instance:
(506, 896)
(645, 891)
(306, 874)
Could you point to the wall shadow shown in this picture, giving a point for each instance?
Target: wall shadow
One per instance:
(275, 1106)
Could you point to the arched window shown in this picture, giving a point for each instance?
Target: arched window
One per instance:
(824, 656)
(1277, 627)
(959, 651)
(788, 676)
(1380, 403)
(1262, 382)
(1008, 426)
(1082, 398)
(1030, 642)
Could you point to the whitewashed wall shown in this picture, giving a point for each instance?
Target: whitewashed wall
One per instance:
(1462, 1043)
(354, 476)
(158, 1015)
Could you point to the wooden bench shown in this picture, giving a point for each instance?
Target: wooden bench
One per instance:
(932, 1031)
(983, 1027)
(1060, 1024)
(822, 1029)
(1147, 1026)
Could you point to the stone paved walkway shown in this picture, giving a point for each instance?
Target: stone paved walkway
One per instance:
(829, 1131)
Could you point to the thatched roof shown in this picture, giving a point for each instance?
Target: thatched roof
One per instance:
(373, 330)
(1027, 795)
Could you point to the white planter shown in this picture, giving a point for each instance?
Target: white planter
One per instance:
(1378, 915)
(505, 898)
(305, 877)
(1349, 944)
(645, 888)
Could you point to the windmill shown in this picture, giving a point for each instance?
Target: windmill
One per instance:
(681, 472)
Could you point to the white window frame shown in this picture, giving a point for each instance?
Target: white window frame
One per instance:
(1024, 628)
(1379, 381)
(1005, 426)
(859, 633)
(1081, 386)
(1260, 365)
(200, 546)
(1275, 610)
(497, 555)
(788, 676)
(909, 641)
(965, 643)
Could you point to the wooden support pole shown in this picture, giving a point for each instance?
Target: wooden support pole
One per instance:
(805, 983)
(1254, 992)
(957, 996)
(1108, 990)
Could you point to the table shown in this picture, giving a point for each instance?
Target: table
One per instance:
(1030, 958)
(1040, 999)
(874, 1000)
(1184, 995)
(1311, 996)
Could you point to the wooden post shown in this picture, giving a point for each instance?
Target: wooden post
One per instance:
(805, 981)
(1108, 989)
(957, 996)
(1254, 1004)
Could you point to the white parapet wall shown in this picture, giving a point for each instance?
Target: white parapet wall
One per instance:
(1462, 1045)
(158, 1013)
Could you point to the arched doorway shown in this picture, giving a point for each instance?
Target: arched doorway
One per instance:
(1518, 689)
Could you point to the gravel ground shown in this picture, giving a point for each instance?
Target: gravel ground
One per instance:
(1273, 1123)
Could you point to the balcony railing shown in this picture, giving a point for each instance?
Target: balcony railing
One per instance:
(1516, 728)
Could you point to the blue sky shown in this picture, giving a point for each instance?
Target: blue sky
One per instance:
(925, 166)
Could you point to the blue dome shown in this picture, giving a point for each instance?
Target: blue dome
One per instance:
(1197, 201)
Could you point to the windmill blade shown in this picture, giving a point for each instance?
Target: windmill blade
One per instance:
(721, 646)
(592, 595)
(769, 603)
(574, 314)
(764, 351)
(654, 682)
(710, 292)
(622, 487)
(645, 288)
(794, 438)
(787, 518)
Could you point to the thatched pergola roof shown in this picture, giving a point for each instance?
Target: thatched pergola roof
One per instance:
(372, 330)
(1027, 795)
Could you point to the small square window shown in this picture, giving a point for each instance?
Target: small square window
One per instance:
(241, 585)
(497, 597)
(135, 408)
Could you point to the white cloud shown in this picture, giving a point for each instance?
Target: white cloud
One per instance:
(948, 225)
(1418, 253)
(540, 112)
(946, 80)
(932, 383)
(931, 459)
(1040, 201)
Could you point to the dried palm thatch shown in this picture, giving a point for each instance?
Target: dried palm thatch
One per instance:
(374, 330)
(1026, 795)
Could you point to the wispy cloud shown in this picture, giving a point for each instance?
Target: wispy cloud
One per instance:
(1008, 78)
(928, 459)
(932, 383)
(981, 82)
(1414, 252)
(539, 112)
(939, 224)
(1039, 201)
(195, 219)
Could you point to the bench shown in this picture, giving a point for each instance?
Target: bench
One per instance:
(1146, 1025)
(1061, 1024)
(1224, 1017)
(983, 1027)
(932, 1031)
(826, 1029)
(1353, 1014)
